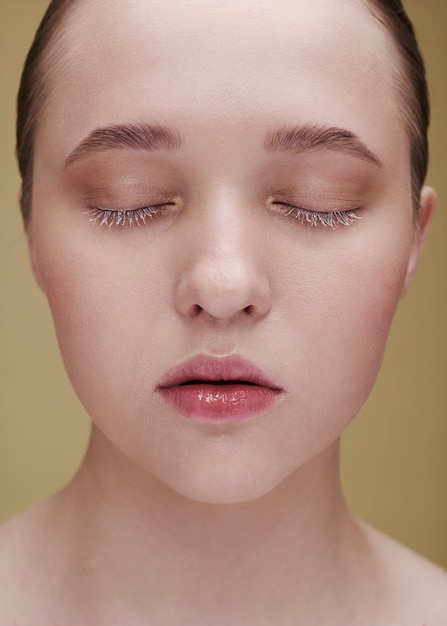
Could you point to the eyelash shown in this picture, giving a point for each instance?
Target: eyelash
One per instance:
(331, 219)
(123, 217)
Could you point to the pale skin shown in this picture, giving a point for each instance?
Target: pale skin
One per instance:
(170, 521)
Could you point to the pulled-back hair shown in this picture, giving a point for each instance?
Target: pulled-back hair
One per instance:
(33, 92)
(412, 87)
(409, 77)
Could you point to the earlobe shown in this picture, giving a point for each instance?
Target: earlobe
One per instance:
(30, 243)
(424, 219)
(33, 257)
(20, 197)
(31, 249)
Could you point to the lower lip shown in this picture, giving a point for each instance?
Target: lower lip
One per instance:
(234, 402)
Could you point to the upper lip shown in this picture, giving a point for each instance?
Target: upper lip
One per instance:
(217, 369)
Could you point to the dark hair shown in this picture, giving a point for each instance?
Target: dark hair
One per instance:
(410, 79)
(412, 87)
(33, 92)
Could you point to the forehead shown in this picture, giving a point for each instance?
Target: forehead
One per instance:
(220, 61)
(181, 21)
(238, 35)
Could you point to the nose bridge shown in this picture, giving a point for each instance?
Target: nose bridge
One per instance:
(223, 260)
(224, 242)
(223, 274)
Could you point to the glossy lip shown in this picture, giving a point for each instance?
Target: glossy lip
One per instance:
(226, 389)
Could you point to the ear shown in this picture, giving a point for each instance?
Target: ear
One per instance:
(423, 221)
(31, 249)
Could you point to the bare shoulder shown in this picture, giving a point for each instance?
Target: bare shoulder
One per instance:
(22, 567)
(16, 535)
(416, 588)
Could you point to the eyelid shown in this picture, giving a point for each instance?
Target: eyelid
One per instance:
(139, 216)
(332, 219)
(122, 217)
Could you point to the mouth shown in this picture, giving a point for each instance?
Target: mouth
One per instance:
(226, 389)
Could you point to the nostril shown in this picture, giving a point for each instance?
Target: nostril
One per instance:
(194, 311)
(205, 290)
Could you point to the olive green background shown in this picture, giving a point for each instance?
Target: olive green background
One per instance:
(395, 455)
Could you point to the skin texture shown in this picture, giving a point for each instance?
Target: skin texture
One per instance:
(321, 302)
(252, 511)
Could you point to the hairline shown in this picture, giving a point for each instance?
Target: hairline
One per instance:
(409, 106)
(47, 75)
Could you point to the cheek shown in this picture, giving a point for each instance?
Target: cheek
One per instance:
(329, 322)
(109, 314)
(324, 339)
(344, 306)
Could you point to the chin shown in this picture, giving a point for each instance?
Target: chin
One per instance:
(237, 492)
(224, 485)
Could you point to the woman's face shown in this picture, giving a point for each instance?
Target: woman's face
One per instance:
(256, 129)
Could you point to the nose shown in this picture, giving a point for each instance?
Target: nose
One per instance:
(223, 273)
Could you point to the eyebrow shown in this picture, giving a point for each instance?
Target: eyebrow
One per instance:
(312, 138)
(140, 136)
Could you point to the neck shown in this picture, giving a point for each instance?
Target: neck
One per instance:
(149, 547)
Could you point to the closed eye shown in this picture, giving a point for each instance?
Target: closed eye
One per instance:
(123, 217)
(331, 219)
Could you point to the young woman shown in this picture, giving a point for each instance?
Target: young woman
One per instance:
(224, 206)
